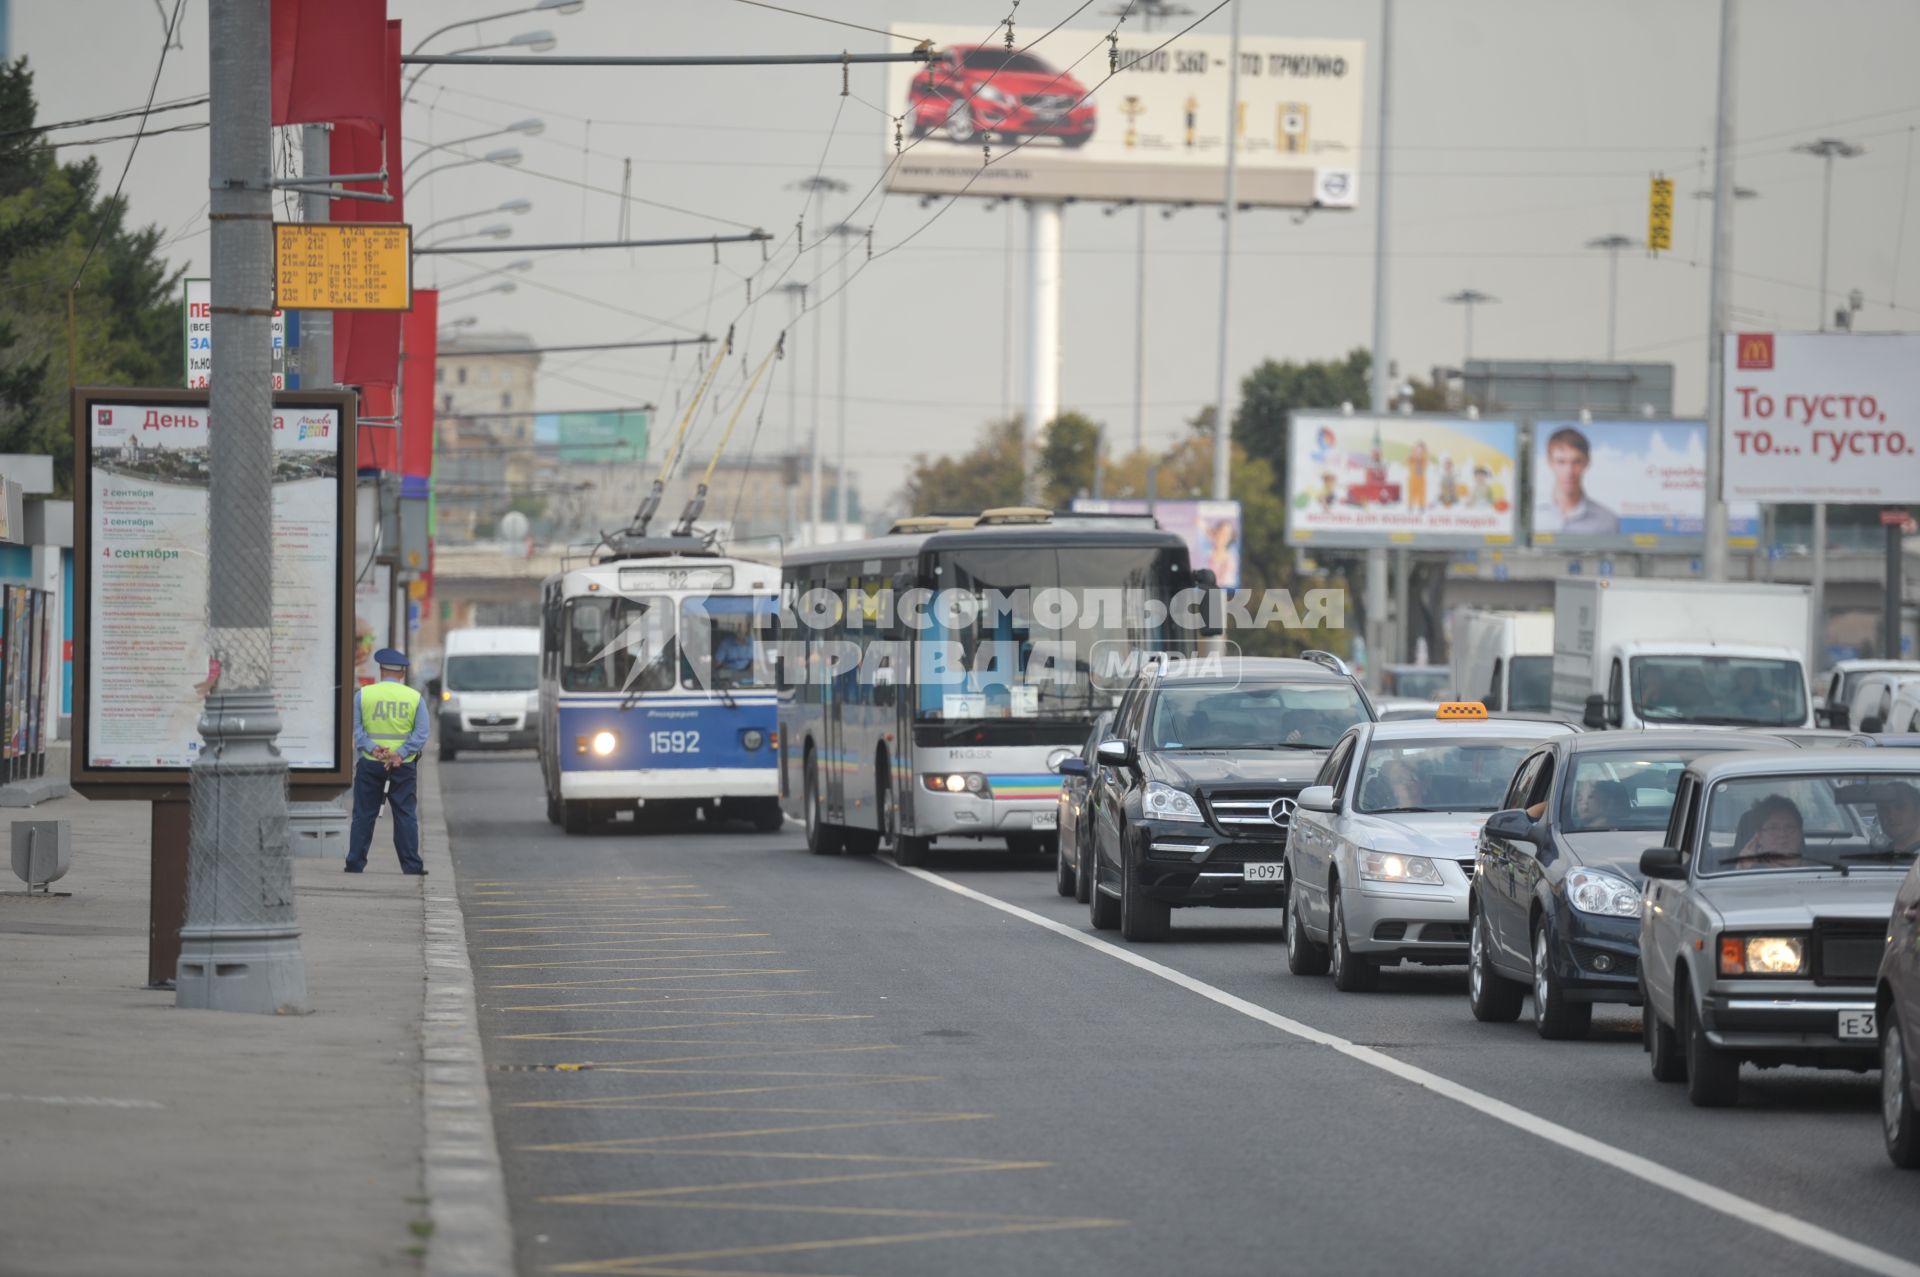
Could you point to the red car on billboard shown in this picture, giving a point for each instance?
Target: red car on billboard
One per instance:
(973, 90)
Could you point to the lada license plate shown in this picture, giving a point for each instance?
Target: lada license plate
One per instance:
(1264, 871)
(1855, 1025)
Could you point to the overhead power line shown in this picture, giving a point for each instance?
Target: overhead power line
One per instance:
(820, 17)
(121, 137)
(176, 105)
(658, 60)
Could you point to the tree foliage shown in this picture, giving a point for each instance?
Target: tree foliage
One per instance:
(128, 329)
(988, 474)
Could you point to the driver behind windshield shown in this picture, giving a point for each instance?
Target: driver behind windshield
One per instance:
(1899, 813)
(1600, 804)
(1775, 836)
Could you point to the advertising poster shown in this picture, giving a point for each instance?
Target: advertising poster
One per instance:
(149, 666)
(1639, 485)
(372, 621)
(1211, 529)
(1831, 417)
(1047, 119)
(1431, 482)
(197, 305)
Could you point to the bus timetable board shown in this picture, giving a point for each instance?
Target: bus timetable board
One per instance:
(342, 266)
(144, 667)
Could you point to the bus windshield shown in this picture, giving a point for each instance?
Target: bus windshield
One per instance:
(1039, 658)
(718, 633)
(620, 644)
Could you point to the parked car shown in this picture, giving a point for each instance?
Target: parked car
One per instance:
(1194, 793)
(1767, 909)
(1380, 857)
(1556, 893)
(1076, 771)
(976, 90)
(1897, 1016)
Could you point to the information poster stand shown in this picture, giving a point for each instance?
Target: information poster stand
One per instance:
(143, 666)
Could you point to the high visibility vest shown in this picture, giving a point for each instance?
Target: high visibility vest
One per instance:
(388, 711)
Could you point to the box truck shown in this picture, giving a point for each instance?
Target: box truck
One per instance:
(1649, 654)
(1504, 659)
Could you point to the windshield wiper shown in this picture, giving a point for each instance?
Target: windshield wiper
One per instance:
(1394, 811)
(1889, 855)
(1727, 720)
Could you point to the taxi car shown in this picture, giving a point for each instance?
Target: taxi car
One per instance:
(1766, 913)
(1380, 860)
(1556, 892)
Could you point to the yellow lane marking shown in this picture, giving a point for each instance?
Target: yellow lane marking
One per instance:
(621, 1102)
(719, 995)
(651, 1265)
(629, 1035)
(626, 944)
(612, 963)
(642, 1143)
(636, 981)
(556, 929)
(669, 1196)
(778, 1052)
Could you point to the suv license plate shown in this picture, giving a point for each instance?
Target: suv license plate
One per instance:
(1855, 1025)
(492, 738)
(1046, 819)
(1264, 871)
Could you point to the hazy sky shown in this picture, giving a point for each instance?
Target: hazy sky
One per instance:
(1522, 129)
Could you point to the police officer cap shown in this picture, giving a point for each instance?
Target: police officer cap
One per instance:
(390, 659)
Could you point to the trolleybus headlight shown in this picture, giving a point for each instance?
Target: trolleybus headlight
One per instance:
(752, 738)
(604, 743)
(975, 782)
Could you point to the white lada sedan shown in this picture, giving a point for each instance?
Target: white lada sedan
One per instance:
(1380, 860)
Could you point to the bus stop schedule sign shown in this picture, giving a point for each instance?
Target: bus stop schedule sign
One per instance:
(144, 500)
(342, 266)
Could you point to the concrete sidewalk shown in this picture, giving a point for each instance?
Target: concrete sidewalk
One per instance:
(140, 1139)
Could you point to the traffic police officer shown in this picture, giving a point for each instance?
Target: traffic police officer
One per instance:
(390, 728)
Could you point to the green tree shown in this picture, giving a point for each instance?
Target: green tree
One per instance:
(988, 474)
(127, 325)
(1068, 449)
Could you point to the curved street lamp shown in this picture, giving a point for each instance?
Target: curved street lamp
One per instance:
(506, 157)
(525, 128)
(531, 41)
(516, 207)
(504, 286)
(499, 230)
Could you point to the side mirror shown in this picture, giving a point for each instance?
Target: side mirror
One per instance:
(1115, 753)
(433, 689)
(1073, 765)
(1663, 862)
(1595, 718)
(1316, 798)
(1514, 825)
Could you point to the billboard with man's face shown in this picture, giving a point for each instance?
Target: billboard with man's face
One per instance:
(1062, 115)
(1431, 482)
(1639, 485)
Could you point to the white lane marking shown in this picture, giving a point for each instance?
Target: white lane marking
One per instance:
(1790, 1227)
(81, 1101)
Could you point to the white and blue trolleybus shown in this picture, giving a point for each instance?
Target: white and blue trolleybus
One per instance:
(655, 697)
(951, 665)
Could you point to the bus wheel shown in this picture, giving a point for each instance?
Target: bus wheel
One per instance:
(822, 839)
(910, 852)
(553, 808)
(575, 818)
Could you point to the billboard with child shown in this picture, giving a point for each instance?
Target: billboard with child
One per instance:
(1360, 481)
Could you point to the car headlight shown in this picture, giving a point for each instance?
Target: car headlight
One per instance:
(605, 743)
(753, 738)
(1164, 802)
(1386, 866)
(1763, 955)
(1609, 895)
(988, 93)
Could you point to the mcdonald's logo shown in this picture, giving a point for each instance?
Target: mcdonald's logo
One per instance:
(1756, 350)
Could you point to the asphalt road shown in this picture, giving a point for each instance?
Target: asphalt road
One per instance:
(713, 1053)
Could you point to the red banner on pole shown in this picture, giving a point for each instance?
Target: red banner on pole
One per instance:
(366, 344)
(419, 350)
(327, 63)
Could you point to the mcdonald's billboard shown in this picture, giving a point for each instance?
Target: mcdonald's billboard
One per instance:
(1829, 417)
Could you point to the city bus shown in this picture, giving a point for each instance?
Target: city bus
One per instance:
(955, 716)
(654, 697)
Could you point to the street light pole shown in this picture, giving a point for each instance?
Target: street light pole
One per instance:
(1222, 427)
(1714, 560)
(1612, 244)
(1469, 298)
(240, 943)
(798, 291)
(1376, 612)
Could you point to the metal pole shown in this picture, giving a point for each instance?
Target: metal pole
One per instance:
(813, 443)
(1817, 641)
(1140, 335)
(240, 918)
(1006, 324)
(1826, 224)
(1467, 355)
(1890, 622)
(316, 326)
(1715, 557)
(1222, 425)
(1377, 557)
(840, 426)
(1402, 613)
(1043, 334)
(1613, 298)
(789, 470)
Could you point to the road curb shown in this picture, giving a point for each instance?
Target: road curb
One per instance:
(466, 1192)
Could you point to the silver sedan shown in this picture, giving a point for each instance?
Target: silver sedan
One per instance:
(1380, 858)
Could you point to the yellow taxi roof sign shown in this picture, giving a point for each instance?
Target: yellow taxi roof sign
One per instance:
(1460, 711)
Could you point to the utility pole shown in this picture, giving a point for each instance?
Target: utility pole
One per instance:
(1222, 426)
(316, 326)
(1043, 334)
(1612, 244)
(1376, 635)
(240, 918)
(1827, 149)
(1140, 334)
(789, 470)
(1468, 298)
(1721, 265)
(842, 232)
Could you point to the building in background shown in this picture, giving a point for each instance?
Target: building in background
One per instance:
(485, 463)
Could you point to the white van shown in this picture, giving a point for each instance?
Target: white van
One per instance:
(1873, 699)
(489, 690)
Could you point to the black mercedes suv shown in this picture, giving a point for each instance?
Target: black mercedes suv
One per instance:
(1193, 793)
